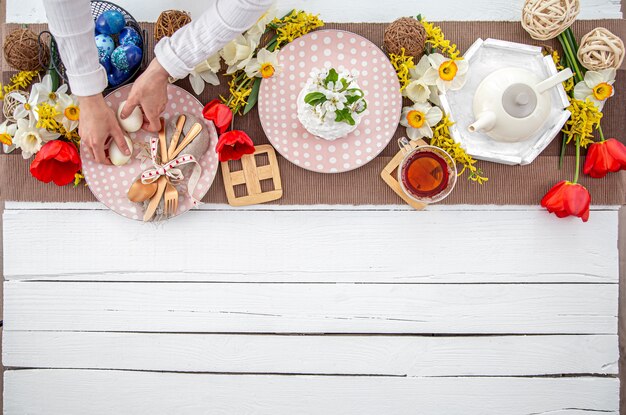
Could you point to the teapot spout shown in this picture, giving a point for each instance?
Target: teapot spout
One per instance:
(485, 122)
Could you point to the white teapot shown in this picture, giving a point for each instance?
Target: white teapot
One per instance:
(512, 104)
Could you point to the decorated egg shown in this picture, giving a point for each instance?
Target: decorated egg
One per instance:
(134, 121)
(105, 45)
(129, 36)
(126, 57)
(117, 77)
(106, 63)
(110, 22)
(117, 156)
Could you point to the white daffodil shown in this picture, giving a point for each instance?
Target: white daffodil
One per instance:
(258, 29)
(419, 119)
(418, 90)
(69, 112)
(43, 91)
(238, 53)
(7, 131)
(446, 73)
(265, 65)
(205, 73)
(27, 106)
(30, 139)
(597, 87)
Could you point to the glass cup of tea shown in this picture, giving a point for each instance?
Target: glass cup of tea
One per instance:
(427, 174)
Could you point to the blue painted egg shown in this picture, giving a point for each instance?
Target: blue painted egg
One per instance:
(106, 63)
(126, 57)
(105, 45)
(110, 22)
(117, 77)
(129, 36)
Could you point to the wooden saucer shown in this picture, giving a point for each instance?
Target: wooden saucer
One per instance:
(390, 176)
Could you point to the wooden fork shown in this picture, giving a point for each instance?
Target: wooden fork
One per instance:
(170, 196)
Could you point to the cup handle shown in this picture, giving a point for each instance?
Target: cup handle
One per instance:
(405, 145)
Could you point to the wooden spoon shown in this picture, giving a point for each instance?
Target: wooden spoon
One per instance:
(193, 132)
(140, 192)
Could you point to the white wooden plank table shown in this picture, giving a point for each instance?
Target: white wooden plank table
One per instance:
(312, 309)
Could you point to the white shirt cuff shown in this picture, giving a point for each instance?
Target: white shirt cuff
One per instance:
(90, 83)
(169, 60)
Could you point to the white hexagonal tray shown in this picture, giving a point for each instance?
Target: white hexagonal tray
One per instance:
(485, 57)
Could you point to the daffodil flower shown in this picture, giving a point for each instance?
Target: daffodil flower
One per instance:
(238, 53)
(30, 139)
(265, 65)
(69, 112)
(418, 90)
(43, 91)
(258, 29)
(446, 73)
(596, 87)
(26, 107)
(7, 131)
(419, 119)
(205, 73)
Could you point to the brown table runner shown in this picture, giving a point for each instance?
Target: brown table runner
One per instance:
(523, 185)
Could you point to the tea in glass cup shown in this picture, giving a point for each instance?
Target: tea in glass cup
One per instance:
(427, 174)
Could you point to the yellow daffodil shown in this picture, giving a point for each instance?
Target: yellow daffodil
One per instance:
(446, 73)
(265, 65)
(258, 29)
(419, 119)
(596, 87)
(7, 131)
(68, 112)
(29, 138)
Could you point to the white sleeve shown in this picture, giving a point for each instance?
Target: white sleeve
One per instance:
(203, 37)
(72, 26)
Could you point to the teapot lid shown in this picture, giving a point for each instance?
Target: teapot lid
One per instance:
(519, 100)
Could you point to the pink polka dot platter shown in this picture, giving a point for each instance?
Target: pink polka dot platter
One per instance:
(111, 183)
(341, 50)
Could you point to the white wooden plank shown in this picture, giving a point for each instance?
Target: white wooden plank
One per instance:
(69, 392)
(29, 11)
(312, 308)
(318, 246)
(339, 355)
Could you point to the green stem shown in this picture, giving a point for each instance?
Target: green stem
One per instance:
(567, 49)
(601, 132)
(562, 156)
(577, 159)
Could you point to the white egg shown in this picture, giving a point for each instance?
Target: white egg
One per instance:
(117, 156)
(134, 121)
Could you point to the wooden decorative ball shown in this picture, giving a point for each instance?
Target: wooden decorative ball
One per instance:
(21, 51)
(10, 104)
(407, 33)
(169, 22)
(601, 49)
(546, 19)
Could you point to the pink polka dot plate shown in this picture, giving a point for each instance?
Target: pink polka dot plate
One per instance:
(110, 183)
(376, 77)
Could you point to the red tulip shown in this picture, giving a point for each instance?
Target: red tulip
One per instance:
(568, 199)
(57, 161)
(233, 145)
(219, 113)
(604, 157)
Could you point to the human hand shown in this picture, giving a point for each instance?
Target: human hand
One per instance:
(150, 93)
(97, 124)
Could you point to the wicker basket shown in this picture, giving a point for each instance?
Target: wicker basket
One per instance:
(97, 8)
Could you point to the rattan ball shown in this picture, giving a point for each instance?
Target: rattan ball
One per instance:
(546, 19)
(10, 103)
(169, 22)
(407, 33)
(21, 51)
(601, 49)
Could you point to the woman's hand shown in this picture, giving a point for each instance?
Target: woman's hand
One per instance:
(150, 93)
(98, 123)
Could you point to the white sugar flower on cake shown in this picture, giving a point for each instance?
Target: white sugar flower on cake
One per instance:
(331, 104)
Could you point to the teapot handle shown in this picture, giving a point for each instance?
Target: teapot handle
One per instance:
(554, 80)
